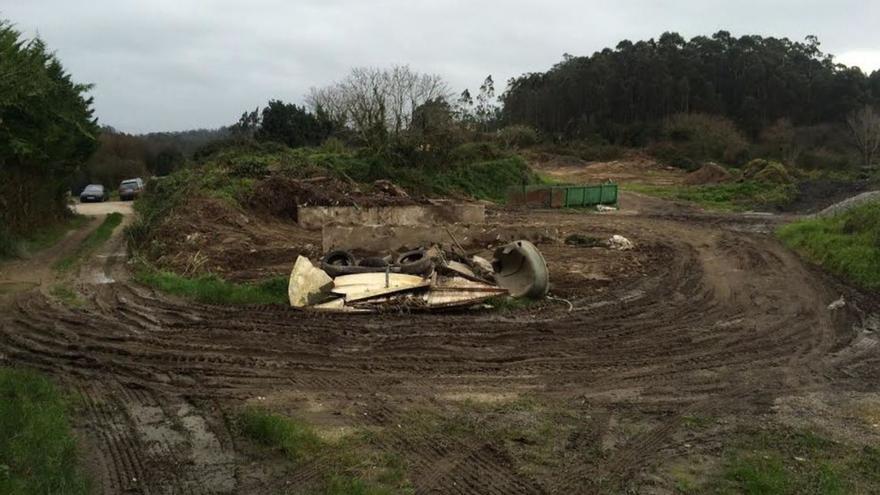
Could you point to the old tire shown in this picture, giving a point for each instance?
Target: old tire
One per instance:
(415, 262)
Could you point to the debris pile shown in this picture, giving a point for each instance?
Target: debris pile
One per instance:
(617, 242)
(421, 279)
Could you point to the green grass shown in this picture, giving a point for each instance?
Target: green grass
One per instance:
(66, 295)
(39, 239)
(295, 438)
(847, 244)
(211, 289)
(92, 242)
(353, 470)
(733, 196)
(38, 453)
(787, 461)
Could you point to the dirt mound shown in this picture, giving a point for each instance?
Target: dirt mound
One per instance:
(767, 171)
(710, 173)
(210, 235)
(279, 196)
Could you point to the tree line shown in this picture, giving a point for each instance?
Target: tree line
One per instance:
(622, 94)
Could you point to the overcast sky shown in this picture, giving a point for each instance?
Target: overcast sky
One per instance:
(183, 64)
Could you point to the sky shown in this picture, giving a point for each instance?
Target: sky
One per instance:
(169, 65)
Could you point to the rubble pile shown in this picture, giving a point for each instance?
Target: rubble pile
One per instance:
(421, 279)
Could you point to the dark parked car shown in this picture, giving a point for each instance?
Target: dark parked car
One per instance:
(94, 192)
(131, 188)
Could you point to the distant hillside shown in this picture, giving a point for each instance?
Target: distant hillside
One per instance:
(623, 93)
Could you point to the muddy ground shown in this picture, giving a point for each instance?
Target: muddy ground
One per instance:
(592, 392)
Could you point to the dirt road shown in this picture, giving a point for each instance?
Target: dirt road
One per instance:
(105, 208)
(708, 317)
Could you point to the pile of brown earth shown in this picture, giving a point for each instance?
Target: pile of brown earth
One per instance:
(260, 238)
(280, 196)
(211, 235)
(710, 173)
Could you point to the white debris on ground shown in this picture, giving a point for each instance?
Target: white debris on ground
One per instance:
(620, 243)
(605, 208)
(837, 304)
(424, 279)
(307, 283)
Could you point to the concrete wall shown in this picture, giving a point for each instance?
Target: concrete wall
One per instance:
(316, 217)
(385, 238)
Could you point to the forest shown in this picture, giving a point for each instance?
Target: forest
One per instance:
(623, 93)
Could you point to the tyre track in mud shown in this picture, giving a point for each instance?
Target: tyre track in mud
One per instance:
(721, 320)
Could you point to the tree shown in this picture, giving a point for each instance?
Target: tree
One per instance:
(47, 131)
(377, 104)
(864, 127)
(486, 110)
(625, 92)
(248, 124)
(289, 124)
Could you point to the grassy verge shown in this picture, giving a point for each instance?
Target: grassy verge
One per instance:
(37, 450)
(353, 469)
(40, 239)
(787, 461)
(66, 295)
(211, 289)
(734, 196)
(847, 244)
(92, 242)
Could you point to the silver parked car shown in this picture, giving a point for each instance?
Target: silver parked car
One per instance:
(131, 189)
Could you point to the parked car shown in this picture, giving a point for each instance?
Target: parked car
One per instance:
(131, 188)
(94, 192)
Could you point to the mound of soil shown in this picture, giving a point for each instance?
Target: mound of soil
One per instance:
(210, 235)
(710, 173)
(280, 196)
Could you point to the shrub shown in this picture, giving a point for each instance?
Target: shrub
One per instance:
(693, 138)
(767, 171)
(517, 136)
(476, 151)
(824, 159)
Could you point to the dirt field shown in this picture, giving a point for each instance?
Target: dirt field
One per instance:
(709, 317)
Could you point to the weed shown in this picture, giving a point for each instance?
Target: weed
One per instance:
(783, 460)
(296, 439)
(847, 244)
(300, 443)
(212, 289)
(92, 242)
(37, 450)
(66, 295)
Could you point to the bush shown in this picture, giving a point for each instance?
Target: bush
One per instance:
(767, 171)
(824, 159)
(694, 138)
(517, 136)
(476, 151)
